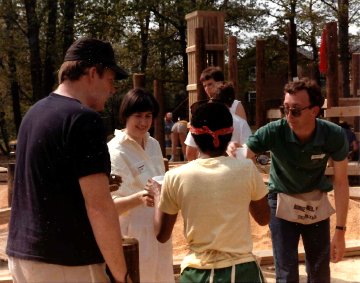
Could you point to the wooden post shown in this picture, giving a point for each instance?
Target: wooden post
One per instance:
(200, 59)
(10, 181)
(131, 254)
(260, 84)
(233, 71)
(332, 74)
(139, 80)
(356, 84)
(159, 123)
(292, 52)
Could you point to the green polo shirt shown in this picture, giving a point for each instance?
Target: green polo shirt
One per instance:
(297, 168)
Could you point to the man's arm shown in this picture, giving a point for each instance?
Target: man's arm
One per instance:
(260, 211)
(341, 189)
(191, 153)
(104, 222)
(231, 151)
(240, 111)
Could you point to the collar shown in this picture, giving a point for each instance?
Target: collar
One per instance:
(123, 137)
(318, 139)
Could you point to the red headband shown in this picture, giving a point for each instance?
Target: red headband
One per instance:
(206, 130)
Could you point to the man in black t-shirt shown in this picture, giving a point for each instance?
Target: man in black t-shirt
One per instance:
(63, 221)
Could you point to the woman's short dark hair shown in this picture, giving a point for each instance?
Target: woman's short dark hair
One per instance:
(215, 116)
(138, 100)
(225, 92)
(73, 70)
(312, 88)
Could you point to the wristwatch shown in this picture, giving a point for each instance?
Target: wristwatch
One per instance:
(343, 228)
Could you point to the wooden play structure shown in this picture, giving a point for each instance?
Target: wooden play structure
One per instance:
(207, 46)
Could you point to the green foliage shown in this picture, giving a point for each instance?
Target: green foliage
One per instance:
(150, 35)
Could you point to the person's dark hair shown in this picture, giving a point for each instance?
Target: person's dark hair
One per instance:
(313, 90)
(73, 70)
(225, 92)
(138, 100)
(212, 72)
(215, 116)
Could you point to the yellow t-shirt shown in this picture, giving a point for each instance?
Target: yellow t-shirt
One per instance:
(214, 196)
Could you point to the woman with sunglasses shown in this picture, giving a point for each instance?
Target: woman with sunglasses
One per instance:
(136, 157)
(215, 194)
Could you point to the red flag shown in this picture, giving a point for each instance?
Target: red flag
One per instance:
(322, 53)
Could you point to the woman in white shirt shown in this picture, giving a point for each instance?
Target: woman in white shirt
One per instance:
(136, 157)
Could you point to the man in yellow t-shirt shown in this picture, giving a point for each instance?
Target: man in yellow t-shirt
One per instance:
(215, 194)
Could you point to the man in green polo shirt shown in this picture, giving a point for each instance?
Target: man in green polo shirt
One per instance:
(300, 146)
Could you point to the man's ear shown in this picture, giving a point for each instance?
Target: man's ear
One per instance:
(315, 110)
(92, 72)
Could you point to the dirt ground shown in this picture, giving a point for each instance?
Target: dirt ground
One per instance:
(346, 271)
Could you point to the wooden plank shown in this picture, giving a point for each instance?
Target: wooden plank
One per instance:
(354, 192)
(5, 215)
(208, 47)
(191, 87)
(205, 14)
(345, 101)
(349, 111)
(352, 249)
(353, 169)
(274, 114)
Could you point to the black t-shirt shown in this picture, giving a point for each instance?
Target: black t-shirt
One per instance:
(60, 141)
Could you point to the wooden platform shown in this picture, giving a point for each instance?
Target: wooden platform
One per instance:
(352, 249)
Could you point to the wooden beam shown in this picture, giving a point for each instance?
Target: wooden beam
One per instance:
(208, 47)
(348, 101)
(200, 62)
(191, 87)
(292, 52)
(159, 123)
(332, 68)
(205, 14)
(353, 169)
(274, 114)
(354, 192)
(260, 84)
(5, 215)
(356, 84)
(349, 111)
(233, 67)
(139, 80)
(352, 249)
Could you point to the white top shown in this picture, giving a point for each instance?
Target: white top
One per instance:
(214, 195)
(136, 165)
(234, 105)
(240, 134)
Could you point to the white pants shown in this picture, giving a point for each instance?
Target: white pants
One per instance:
(24, 271)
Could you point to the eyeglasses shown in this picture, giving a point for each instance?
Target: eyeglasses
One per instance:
(196, 104)
(296, 112)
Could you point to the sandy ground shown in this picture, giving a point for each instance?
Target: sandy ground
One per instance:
(346, 271)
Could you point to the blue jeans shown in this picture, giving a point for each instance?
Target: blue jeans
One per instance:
(285, 237)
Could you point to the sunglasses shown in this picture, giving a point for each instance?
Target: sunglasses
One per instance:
(196, 104)
(296, 112)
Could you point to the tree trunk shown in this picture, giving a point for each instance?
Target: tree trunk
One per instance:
(344, 58)
(68, 33)
(50, 52)
(14, 86)
(34, 46)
